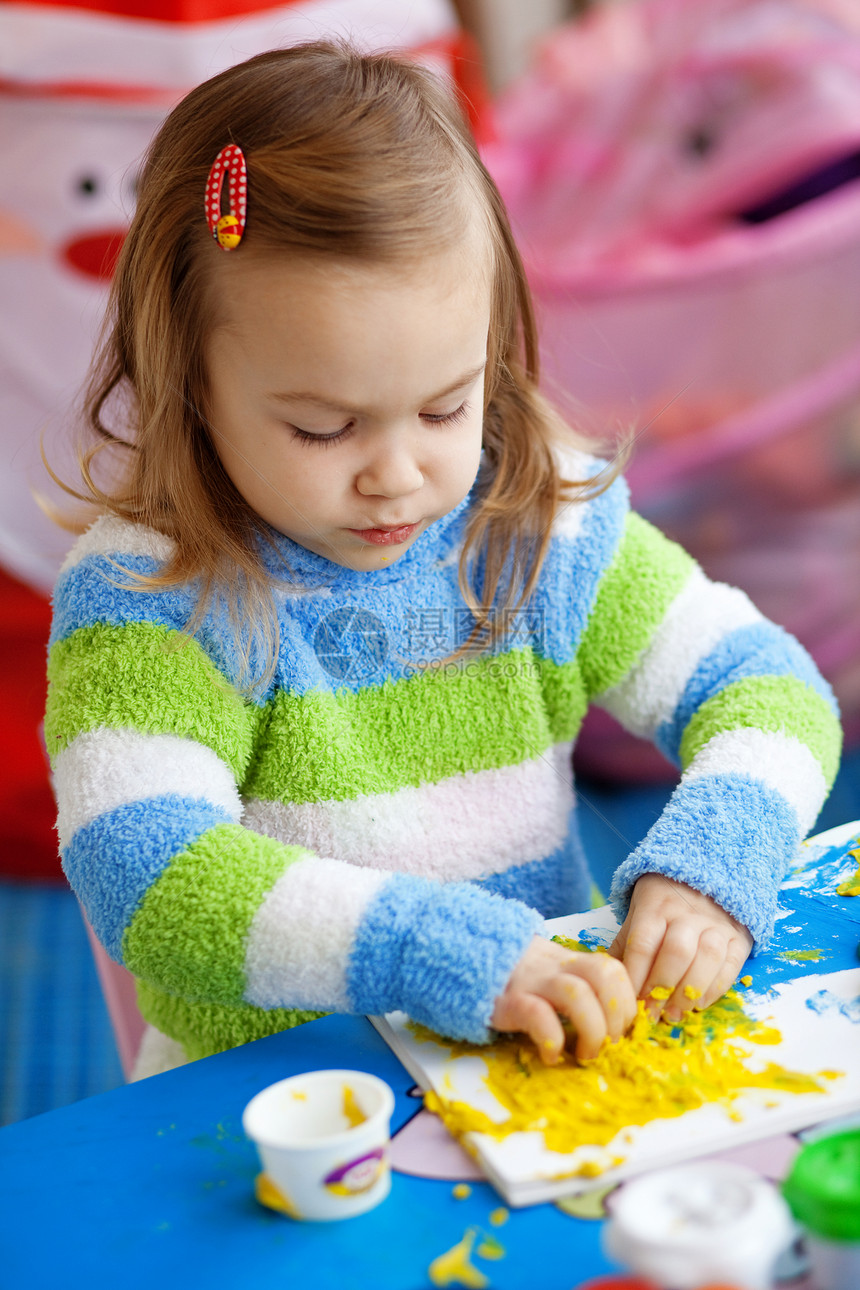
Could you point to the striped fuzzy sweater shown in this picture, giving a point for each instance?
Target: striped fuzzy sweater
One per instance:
(374, 834)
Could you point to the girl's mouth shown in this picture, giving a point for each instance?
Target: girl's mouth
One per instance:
(386, 537)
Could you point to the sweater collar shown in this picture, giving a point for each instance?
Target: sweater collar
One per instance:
(308, 571)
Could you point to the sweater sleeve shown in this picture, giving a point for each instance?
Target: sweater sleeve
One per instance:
(150, 742)
(730, 697)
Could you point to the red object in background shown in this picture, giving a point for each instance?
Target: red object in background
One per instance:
(96, 254)
(172, 10)
(28, 843)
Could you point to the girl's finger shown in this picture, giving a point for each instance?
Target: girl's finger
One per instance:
(643, 944)
(671, 966)
(618, 946)
(736, 956)
(611, 984)
(573, 997)
(695, 988)
(529, 1013)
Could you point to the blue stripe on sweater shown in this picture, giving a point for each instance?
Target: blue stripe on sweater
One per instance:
(759, 649)
(557, 885)
(728, 836)
(112, 862)
(442, 952)
(96, 590)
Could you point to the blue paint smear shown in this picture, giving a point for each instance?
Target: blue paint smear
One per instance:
(826, 1001)
(812, 916)
(600, 939)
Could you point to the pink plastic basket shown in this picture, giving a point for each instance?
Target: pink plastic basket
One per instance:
(730, 346)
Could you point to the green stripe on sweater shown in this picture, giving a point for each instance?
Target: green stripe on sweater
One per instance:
(148, 678)
(189, 933)
(782, 704)
(488, 714)
(645, 576)
(207, 1028)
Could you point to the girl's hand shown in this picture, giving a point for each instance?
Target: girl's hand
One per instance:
(592, 991)
(678, 938)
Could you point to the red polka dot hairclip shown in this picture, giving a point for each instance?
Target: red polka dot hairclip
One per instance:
(228, 229)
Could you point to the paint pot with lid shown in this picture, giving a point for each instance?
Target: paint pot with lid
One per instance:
(823, 1191)
(705, 1223)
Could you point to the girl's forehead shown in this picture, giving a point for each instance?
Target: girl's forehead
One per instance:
(270, 274)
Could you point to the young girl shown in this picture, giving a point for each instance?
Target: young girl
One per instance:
(316, 670)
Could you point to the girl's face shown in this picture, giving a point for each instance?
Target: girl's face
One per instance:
(346, 400)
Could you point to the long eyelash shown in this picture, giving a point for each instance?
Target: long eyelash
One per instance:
(448, 418)
(324, 440)
(327, 440)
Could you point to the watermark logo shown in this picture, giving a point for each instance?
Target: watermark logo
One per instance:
(354, 646)
(351, 644)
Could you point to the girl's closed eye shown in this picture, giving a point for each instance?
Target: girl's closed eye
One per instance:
(334, 436)
(447, 418)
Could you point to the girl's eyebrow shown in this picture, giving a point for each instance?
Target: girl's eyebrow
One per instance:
(333, 405)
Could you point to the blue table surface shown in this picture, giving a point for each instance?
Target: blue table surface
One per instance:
(152, 1184)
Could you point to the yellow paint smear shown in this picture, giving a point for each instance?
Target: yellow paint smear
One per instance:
(461, 1191)
(657, 1071)
(851, 887)
(351, 1109)
(570, 944)
(801, 956)
(455, 1266)
(273, 1197)
(490, 1248)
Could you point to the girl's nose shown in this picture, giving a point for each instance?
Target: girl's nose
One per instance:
(389, 472)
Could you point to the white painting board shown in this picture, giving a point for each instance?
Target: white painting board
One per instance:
(818, 1017)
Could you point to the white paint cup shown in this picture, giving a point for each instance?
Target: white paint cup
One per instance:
(323, 1141)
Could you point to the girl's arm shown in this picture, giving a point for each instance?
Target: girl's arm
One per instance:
(231, 933)
(739, 704)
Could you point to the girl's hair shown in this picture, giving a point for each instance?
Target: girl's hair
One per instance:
(355, 155)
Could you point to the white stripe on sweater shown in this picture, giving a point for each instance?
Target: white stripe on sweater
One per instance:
(286, 957)
(103, 769)
(115, 538)
(781, 762)
(573, 464)
(699, 617)
(465, 826)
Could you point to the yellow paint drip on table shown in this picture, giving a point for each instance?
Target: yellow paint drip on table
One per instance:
(658, 1070)
(455, 1266)
(274, 1197)
(490, 1248)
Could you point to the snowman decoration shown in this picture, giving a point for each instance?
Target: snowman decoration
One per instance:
(82, 91)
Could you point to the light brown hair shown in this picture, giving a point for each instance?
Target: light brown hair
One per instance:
(350, 155)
